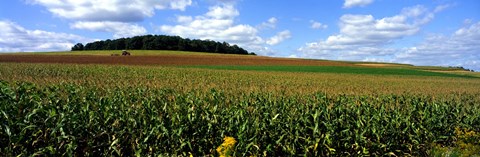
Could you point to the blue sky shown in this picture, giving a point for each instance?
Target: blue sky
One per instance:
(419, 32)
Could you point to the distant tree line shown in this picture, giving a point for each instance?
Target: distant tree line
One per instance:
(461, 68)
(162, 42)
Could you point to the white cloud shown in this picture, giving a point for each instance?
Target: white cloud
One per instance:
(366, 38)
(115, 16)
(184, 19)
(119, 29)
(15, 38)
(281, 36)
(419, 14)
(272, 20)
(441, 7)
(467, 21)
(462, 48)
(318, 25)
(222, 12)
(111, 10)
(354, 3)
(292, 56)
(270, 23)
(363, 36)
(180, 4)
(218, 24)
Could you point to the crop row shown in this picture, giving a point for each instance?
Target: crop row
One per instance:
(234, 82)
(336, 70)
(67, 119)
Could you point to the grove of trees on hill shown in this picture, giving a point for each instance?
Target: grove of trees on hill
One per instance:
(162, 42)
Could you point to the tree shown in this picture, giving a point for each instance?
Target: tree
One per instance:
(182, 45)
(78, 47)
(110, 45)
(218, 48)
(120, 44)
(148, 42)
(135, 43)
(162, 42)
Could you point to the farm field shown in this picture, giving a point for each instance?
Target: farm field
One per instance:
(180, 104)
(145, 57)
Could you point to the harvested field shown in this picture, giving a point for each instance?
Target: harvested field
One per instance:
(166, 60)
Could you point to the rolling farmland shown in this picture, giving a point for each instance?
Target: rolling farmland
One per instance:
(181, 104)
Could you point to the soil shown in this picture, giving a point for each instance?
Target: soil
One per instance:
(174, 60)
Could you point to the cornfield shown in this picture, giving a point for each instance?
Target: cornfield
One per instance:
(64, 116)
(67, 119)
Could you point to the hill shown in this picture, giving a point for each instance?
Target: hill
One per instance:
(232, 62)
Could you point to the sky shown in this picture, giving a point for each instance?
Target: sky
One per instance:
(418, 32)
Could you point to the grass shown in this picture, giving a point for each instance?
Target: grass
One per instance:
(338, 69)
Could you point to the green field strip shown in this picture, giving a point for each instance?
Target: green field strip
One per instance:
(335, 69)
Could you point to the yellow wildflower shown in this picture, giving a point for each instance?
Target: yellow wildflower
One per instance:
(226, 149)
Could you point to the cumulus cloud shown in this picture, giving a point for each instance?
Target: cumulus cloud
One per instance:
(318, 25)
(222, 12)
(281, 36)
(111, 10)
(115, 16)
(15, 38)
(218, 24)
(462, 48)
(354, 3)
(364, 36)
(119, 29)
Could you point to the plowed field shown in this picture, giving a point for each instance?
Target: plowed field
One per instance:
(166, 60)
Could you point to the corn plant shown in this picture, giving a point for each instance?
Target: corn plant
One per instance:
(68, 119)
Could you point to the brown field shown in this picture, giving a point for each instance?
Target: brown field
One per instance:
(166, 60)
